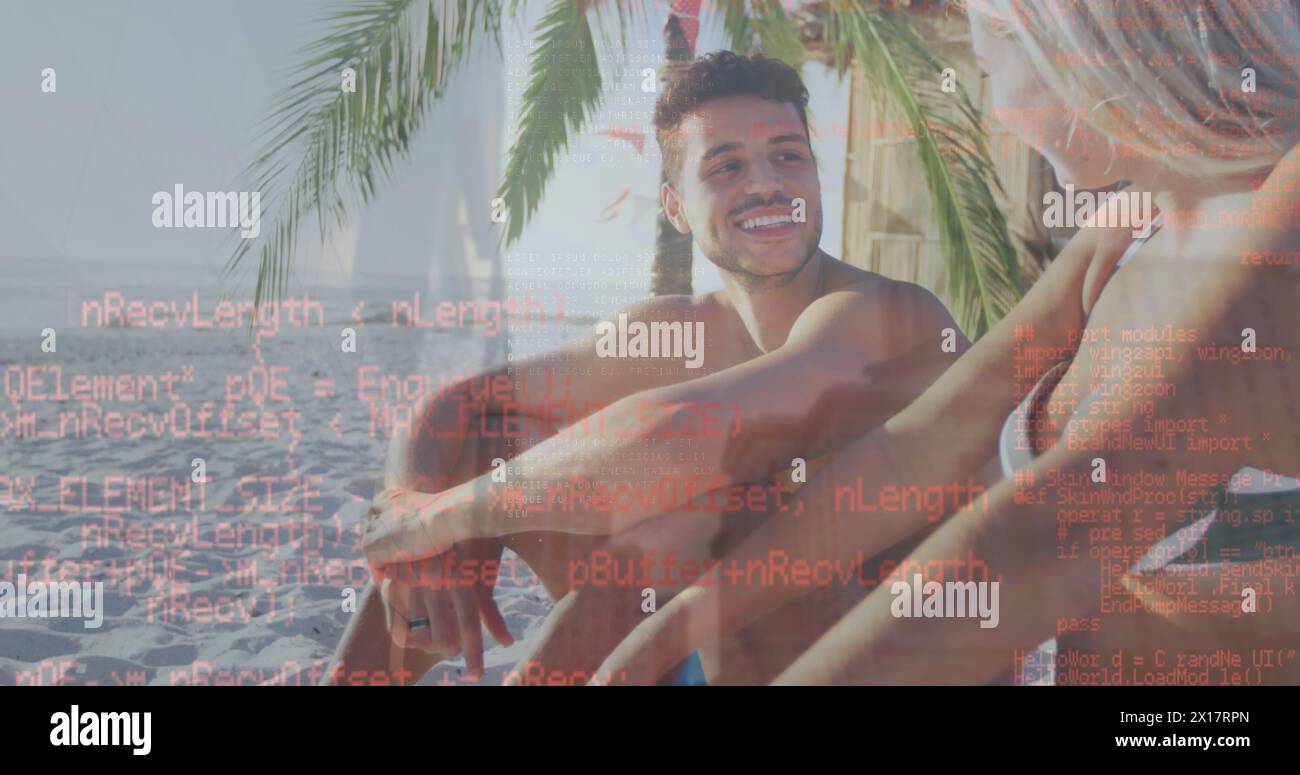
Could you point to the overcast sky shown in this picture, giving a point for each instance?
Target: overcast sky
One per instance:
(156, 92)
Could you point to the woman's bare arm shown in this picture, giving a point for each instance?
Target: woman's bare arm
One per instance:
(937, 443)
(1051, 568)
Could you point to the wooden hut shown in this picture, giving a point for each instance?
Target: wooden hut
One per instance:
(888, 215)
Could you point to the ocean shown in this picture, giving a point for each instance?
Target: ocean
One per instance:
(121, 383)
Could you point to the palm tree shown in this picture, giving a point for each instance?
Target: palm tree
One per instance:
(327, 149)
(671, 270)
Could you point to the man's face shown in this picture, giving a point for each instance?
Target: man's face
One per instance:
(745, 161)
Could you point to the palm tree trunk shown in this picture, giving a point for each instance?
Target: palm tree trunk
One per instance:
(671, 271)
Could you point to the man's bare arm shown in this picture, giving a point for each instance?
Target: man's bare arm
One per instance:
(743, 422)
(539, 395)
(942, 438)
(786, 400)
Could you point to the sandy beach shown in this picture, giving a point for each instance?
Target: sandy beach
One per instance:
(241, 578)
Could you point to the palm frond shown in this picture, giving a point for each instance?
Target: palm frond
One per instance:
(564, 89)
(627, 13)
(736, 28)
(325, 149)
(778, 37)
(761, 25)
(981, 263)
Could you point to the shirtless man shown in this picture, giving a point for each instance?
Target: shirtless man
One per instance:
(800, 354)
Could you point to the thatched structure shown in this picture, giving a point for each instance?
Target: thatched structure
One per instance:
(888, 220)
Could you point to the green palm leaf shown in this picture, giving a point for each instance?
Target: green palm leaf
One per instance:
(324, 149)
(736, 27)
(981, 266)
(564, 89)
(762, 25)
(776, 33)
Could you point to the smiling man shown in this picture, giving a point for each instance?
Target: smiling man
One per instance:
(800, 353)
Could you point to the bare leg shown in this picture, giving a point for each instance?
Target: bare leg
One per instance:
(1148, 646)
(758, 654)
(367, 654)
(594, 615)
(589, 622)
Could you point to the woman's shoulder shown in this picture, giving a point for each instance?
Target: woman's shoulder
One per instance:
(1284, 178)
(1282, 190)
(1262, 227)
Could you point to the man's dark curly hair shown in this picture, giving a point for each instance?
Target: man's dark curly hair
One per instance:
(714, 76)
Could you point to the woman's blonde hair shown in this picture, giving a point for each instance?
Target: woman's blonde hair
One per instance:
(1168, 77)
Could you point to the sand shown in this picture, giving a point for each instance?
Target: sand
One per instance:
(242, 583)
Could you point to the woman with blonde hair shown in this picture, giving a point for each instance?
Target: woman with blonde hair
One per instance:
(1134, 399)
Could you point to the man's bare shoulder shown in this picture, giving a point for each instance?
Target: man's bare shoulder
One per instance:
(677, 307)
(872, 309)
(842, 274)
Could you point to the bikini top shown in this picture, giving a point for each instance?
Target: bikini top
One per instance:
(1016, 446)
